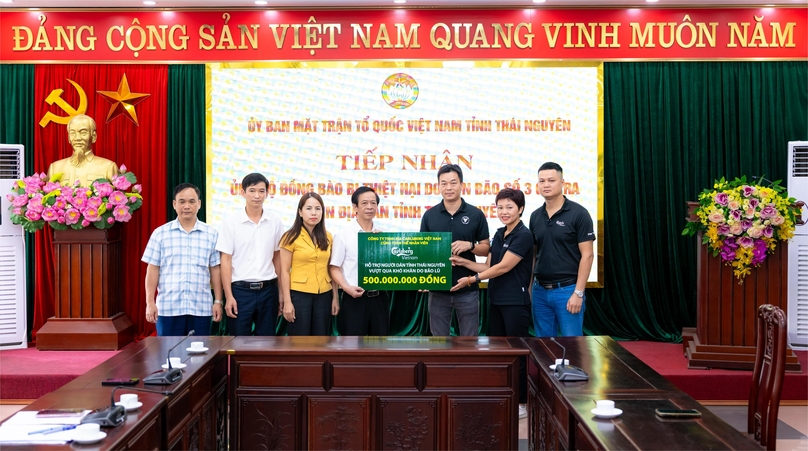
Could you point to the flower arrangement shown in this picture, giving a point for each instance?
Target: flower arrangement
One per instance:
(36, 201)
(743, 223)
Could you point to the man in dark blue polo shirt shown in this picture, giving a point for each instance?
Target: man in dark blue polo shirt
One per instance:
(563, 234)
(469, 238)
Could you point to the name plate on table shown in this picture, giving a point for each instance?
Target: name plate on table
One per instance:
(405, 261)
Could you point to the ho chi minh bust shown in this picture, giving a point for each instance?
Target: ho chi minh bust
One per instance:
(83, 165)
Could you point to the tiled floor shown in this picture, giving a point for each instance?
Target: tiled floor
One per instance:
(794, 416)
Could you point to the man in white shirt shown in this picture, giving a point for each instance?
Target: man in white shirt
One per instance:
(361, 312)
(250, 245)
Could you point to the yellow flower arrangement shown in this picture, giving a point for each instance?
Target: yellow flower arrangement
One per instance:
(743, 223)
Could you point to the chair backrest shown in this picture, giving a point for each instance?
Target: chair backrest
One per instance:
(767, 380)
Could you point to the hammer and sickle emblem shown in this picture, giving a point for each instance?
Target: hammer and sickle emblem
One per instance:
(56, 97)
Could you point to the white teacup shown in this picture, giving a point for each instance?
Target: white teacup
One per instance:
(605, 405)
(566, 362)
(197, 345)
(175, 361)
(87, 431)
(129, 399)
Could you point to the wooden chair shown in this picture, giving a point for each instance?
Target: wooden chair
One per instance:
(767, 380)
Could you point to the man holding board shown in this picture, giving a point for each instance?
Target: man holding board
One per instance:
(469, 231)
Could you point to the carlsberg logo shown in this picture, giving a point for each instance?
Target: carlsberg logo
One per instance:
(401, 252)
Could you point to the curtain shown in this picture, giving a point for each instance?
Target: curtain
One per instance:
(17, 127)
(141, 148)
(671, 129)
(186, 130)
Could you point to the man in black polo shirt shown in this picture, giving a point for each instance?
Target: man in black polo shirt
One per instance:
(563, 235)
(469, 238)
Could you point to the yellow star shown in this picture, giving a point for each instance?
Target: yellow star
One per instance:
(123, 101)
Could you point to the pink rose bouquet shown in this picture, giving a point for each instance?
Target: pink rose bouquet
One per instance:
(36, 201)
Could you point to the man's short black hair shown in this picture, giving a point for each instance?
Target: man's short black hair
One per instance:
(451, 168)
(360, 191)
(184, 186)
(551, 166)
(254, 179)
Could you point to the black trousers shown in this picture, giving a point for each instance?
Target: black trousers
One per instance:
(312, 314)
(512, 321)
(364, 315)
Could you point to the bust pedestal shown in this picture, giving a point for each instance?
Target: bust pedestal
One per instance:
(88, 312)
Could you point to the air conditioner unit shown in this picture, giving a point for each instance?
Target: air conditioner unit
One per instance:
(798, 247)
(13, 318)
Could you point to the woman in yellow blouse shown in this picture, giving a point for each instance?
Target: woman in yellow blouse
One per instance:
(308, 295)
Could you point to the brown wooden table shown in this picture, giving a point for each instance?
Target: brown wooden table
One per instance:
(374, 392)
(193, 416)
(559, 413)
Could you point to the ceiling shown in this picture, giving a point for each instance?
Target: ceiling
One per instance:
(288, 4)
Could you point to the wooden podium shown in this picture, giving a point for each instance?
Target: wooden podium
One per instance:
(88, 311)
(724, 336)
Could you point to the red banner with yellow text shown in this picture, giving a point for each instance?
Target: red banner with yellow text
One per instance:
(402, 34)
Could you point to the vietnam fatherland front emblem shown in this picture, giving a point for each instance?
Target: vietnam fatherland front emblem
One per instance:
(400, 91)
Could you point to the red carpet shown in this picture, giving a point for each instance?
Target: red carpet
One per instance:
(712, 385)
(30, 373)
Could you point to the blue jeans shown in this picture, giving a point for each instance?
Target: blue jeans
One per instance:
(176, 326)
(467, 306)
(550, 312)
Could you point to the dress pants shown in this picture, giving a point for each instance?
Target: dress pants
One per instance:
(364, 315)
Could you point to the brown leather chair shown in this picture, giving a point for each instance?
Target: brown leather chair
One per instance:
(767, 381)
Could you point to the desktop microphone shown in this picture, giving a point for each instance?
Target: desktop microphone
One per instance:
(568, 372)
(115, 415)
(170, 375)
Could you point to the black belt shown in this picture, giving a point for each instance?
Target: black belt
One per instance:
(553, 285)
(255, 285)
(372, 293)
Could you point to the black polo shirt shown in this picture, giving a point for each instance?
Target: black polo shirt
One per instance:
(467, 224)
(557, 238)
(513, 287)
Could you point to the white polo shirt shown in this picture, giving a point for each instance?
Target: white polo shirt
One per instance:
(251, 245)
(345, 252)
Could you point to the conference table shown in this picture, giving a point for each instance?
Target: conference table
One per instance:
(389, 393)
(192, 415)
(559, 412)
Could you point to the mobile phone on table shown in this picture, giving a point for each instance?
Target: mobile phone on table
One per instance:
(57, 413)
(678, 413)
(120, 381)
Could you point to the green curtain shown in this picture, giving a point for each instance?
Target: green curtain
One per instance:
(671, 129)
(186, 130)
(17, 124)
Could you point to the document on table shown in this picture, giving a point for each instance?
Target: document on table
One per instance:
(16, 429)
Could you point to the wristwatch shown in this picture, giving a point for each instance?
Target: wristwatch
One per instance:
(217, 302)
(580, 293)
(472, 245)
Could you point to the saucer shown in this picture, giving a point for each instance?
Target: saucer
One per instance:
(90, 440)
(134, 406)
(196, 351)
(181, 365)
(606, 413)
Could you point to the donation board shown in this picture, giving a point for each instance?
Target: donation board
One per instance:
(405, 261)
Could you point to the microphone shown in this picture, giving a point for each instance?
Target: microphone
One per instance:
(762, 178)
(568, 372)
(115, 415)
(169, 376)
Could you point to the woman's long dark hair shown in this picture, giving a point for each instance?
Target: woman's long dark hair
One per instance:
(319, 237)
